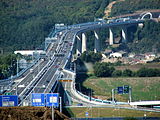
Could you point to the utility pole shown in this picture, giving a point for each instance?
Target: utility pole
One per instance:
(113, 96)
(130, 94)
(60, 104)
(16, 89)
(52, 112)
(17, 67)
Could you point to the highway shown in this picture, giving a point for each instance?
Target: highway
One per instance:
(45, 74)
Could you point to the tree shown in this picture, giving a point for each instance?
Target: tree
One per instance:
(148, 72)
(127, 73)
(91, 57)
(117, 73)
(103, 70)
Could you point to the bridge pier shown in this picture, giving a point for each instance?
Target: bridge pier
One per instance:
(84, 42)
(96, 43)
(111, 37)
(124, 34)
(79, 45)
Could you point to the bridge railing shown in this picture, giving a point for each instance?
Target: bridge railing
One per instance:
(10, 79)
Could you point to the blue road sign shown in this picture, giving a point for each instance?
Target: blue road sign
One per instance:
(8, 100)
(87, 114)
(125, 89)
(38, 99)
(52, 99)
(120, 90)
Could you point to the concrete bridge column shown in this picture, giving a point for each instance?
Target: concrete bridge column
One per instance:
(96, 43)
(111, 37)
(124, 34)
(79, 45)
(84, 42)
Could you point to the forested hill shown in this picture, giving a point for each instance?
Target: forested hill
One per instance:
(146, 39)
(130, 6)
(25, 23)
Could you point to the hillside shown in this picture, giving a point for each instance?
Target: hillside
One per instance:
(146, 39)
(130, 6)
(25, 23)
(141, 40)
(30, 113)
(142, 88)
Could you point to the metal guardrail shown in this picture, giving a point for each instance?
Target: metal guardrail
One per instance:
(118, 118)
(93, 99)
(10, 79)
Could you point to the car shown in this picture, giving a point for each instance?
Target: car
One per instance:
(80, 104)
(70, 44)
(48, 81)
(60, 69)
(56, 66)
(65, 41)
(31, 70)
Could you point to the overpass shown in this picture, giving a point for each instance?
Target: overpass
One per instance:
(57, 64)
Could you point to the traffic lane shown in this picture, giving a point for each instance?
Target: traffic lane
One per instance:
(52, 82)
(44, 81)
(49, 74)
(35, 72)
(47, 78)
(28, 78)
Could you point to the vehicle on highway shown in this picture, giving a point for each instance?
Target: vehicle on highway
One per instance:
(60, 69)
(31, 70)
(80, 104)
(56, 66)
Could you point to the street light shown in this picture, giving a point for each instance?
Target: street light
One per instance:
(145, 116)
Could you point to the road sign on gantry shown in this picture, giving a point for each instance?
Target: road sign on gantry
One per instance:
(120, 90)
(8, 100)
(38, 99)
(126, 89)
(52, 99)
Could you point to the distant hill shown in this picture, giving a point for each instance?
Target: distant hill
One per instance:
(130, 6)
(146, 39)
(141, 40)
(25, 23)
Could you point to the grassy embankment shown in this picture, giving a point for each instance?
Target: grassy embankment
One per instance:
(109, 112)
(143, 88)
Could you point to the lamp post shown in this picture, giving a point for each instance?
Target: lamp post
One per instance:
(145, 116)
(113, 101)
(60, 104)
(52, 111)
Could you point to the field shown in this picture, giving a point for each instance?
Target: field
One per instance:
(143, 88)
(29, 113)
(138, 66)
(108, 112)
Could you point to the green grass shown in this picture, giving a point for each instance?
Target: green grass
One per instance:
(143, 88)
(109, 112)
(138, 66)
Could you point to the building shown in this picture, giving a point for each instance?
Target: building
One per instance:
(29, 52)
(118, 54)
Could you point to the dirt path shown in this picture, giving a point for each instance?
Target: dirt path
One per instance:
(109, 7)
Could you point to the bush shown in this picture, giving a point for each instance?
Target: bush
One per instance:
(148, 72)
(91, 57)
(127, 73)
(103, 70)
(117, 73)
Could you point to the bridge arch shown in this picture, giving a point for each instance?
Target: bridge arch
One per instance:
(146, 14)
